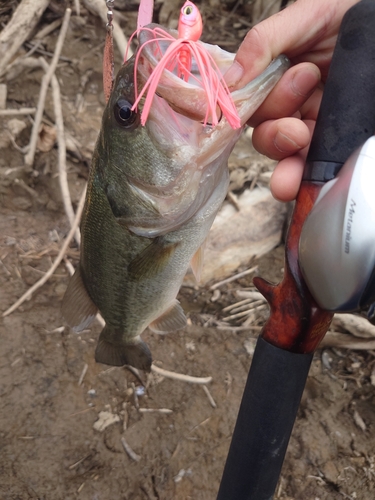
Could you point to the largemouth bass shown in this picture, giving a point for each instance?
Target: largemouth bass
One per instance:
(152, 196)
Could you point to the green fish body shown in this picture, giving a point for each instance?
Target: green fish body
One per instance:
(152, 196)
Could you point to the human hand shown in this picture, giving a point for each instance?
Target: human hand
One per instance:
(306, 32)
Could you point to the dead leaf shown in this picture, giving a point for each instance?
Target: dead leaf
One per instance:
(47, 138)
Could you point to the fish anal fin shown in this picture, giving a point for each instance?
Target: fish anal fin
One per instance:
(77, 307)
(196, 263)
(171, 320)
(153, 259)
(137, 355)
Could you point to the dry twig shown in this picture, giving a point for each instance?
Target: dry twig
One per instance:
(234, 278)
(250, 294)
(357, 325)
(242, 328)
(236, 305)
(345, 341)
(77, 7)
(18, 29)
(17, 112)
(29, 158)
(84, 371)
(156, 410)
(180, 376)
(63, 178)
(49, 28)
(132, 454)
(209, 396)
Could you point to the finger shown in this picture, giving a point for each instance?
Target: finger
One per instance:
(299, 32)
(278, 139)
(284, 137)
(310, 108)
(263, 42)
(287, 176)
(290, 93)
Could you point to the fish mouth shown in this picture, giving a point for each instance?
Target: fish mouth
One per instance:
(178, 125)
(188, 98)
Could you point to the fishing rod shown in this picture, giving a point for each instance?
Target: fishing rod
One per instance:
(297, 323)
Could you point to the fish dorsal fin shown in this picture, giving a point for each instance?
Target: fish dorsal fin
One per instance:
(196, 263)
(77, 307)
(153, 259)
(171, 320)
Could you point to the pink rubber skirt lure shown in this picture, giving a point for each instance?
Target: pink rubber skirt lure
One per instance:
(178, 58)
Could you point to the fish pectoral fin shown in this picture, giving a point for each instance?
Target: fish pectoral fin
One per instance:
(137, 355)
(196, 263)
(77, 307)
(153, 259)
(171, 320)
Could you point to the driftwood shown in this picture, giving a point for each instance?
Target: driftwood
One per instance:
(362, 333)
(19, 28)
(239, 235)
(345, 341)
(356, 325)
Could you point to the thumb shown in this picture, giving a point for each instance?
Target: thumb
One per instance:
(292, 32)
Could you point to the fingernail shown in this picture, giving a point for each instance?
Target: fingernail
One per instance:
(304, 82)
(234, 74)
(284, 144)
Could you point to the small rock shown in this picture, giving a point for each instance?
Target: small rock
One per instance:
(140, 390)
(330, 472)
(326, 360)
(60, 289)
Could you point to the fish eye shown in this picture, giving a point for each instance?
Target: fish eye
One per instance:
(123, 113)
(188, 10)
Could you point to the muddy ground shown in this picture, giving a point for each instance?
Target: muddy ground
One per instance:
(52, 391)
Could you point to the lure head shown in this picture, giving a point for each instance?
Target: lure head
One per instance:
(190, 24)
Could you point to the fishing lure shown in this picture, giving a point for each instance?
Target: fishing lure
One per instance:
(108, 56)
(178, 58)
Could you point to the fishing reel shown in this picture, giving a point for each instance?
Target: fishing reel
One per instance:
(337, 244)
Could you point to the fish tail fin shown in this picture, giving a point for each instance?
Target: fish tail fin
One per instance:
(108, 353)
